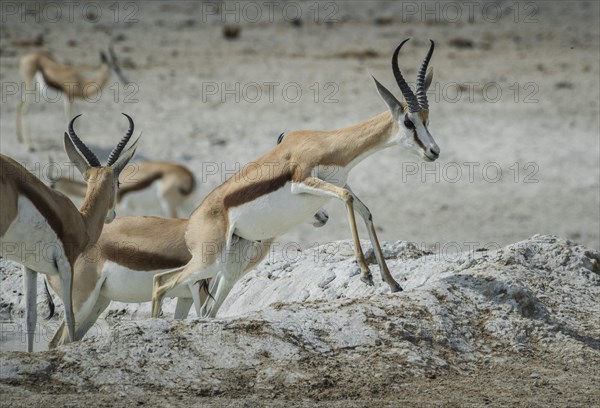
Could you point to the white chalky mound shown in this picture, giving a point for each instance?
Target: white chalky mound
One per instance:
(308, 321)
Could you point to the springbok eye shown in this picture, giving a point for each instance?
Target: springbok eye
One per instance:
(409, 124)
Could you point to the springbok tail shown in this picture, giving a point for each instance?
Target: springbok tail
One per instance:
(49, 300)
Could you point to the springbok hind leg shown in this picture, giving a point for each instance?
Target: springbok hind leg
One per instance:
(20, 122)
(182, 308)
(220, 293)
(169, 209)
(30, 285)
(169, 199)
(162, 283)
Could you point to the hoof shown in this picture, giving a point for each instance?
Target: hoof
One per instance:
(367, 279)
(396, 288)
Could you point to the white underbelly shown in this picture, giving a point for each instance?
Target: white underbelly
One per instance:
(126, 285)
(274, 214)
(30, 240)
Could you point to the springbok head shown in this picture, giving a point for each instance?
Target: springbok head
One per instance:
(412, 116)
(113, 64)
(103, 181)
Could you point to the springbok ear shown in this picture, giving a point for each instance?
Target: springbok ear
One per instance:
(124, 158)
(390, 100)
(76, 157)
(428, 78)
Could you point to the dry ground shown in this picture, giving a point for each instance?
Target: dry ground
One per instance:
(539, 381)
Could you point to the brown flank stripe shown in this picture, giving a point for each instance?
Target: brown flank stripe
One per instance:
(51, 84)
(256, 189)
(130, 187)
(130, 256)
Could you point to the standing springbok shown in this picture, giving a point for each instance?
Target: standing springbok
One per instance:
(40, 71)
(174, 183)
(41, 228)
(276, 192)
(122, 265)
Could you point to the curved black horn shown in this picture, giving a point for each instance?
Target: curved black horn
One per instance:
(421, 92)
(413, 104)
(87, 153)
(114, 155)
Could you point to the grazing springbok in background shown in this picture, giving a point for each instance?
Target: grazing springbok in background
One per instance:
(174, 183)
(289, 183)
(122, 265)
(41, 228)
(40, 71)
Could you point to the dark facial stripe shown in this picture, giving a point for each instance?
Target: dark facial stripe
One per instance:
(419, 143)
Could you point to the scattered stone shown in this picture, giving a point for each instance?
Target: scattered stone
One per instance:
(231, 32)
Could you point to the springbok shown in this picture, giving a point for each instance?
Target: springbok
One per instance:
(41, 228)
(122, 264)
(40, 71)
(276, 192)
(174, 183)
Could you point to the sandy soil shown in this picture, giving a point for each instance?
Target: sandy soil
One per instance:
(525, 382)
(518, 89)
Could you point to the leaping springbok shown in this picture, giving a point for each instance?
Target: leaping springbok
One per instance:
(174, 183)
(41, 228)
(289, 183)
(122, 265)
(40, 70)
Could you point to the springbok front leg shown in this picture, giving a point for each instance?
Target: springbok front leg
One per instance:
(30, 285)
(85, 320)
(368, 219)
(66, 282)
(312, 185)
(23, 135)
(68, 107)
